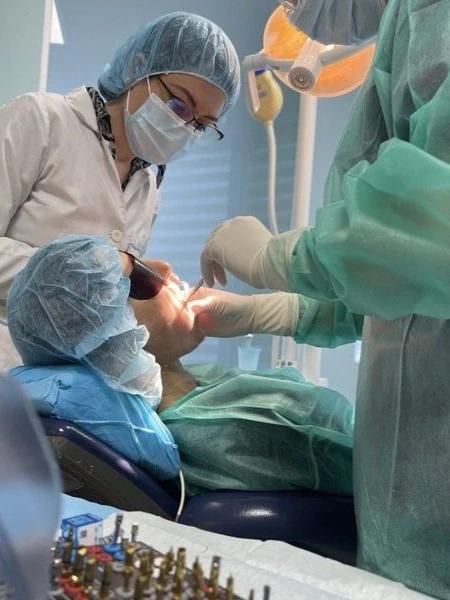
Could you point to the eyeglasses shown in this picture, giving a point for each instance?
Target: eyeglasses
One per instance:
(144, 282)
(210, 132)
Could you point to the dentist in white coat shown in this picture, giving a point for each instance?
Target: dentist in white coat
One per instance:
(80, 163)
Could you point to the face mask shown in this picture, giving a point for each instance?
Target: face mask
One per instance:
(155, 133)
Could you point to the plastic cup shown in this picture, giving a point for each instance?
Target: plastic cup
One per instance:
(248, 358)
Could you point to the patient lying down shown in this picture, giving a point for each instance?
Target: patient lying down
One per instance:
(265, 430)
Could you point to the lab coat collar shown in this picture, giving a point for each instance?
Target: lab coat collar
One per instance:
(81, 104)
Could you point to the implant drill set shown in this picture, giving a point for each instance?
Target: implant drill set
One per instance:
(116, 567)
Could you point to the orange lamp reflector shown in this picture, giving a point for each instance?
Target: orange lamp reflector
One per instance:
(284, 41)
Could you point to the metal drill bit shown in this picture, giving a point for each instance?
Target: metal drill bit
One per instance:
(106, 581)
(230, 589)
(117, 526)
(162, 576)
(129, 555)
(146, 567)
(151, 557)
(67, 557)
(144, 562)
(213, 589)
(89, 573)
(170, 557)
(123, 541)
(197, 594)
(266, 593)
(127, 575)
(197, 588)
(177, 588)
(56, 570)
(198, 571)
(139, 588)
(213, 583)
(251, 596)
(134, 532)
(79, 561)
(198, 579)
(57, 552)
(180, 571)
(159, 592)
(215, 564)
(181, 558)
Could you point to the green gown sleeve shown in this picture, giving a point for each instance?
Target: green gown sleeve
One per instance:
(327, 324)
(382, 243)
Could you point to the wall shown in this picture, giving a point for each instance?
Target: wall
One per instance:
(228, 179)
(23, 46)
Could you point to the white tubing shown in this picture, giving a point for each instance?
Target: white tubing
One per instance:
(271, 178)
(182, 496)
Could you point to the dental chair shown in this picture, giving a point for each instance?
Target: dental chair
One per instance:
(97, 471)
(315, 521)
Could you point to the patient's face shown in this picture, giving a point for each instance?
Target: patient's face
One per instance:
(172, 326)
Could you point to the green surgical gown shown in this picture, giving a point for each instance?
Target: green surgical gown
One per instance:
(262, 430)
(381, 248)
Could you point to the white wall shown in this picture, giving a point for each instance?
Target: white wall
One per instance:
(24, 37)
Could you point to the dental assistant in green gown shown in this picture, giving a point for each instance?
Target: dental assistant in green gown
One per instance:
(377, 263)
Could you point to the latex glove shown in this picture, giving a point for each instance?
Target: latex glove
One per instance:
(247, 249)
(223, 314)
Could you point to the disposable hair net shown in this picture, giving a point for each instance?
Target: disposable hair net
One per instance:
(262, 430)
(70, 304)
(179, 42)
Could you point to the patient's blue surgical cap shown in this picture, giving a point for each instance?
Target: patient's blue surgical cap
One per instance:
(179, 42)
(70, 304)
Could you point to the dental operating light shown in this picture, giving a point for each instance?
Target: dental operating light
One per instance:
(314, 70)
(305, 65)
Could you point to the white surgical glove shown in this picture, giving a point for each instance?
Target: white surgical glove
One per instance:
(247, 249)
(223, 314)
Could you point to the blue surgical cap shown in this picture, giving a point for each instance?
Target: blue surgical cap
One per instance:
(70, 304)
(179, 42)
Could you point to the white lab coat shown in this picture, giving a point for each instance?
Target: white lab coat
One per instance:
(57, 176)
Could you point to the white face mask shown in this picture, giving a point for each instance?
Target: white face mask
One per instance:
(155, 133)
